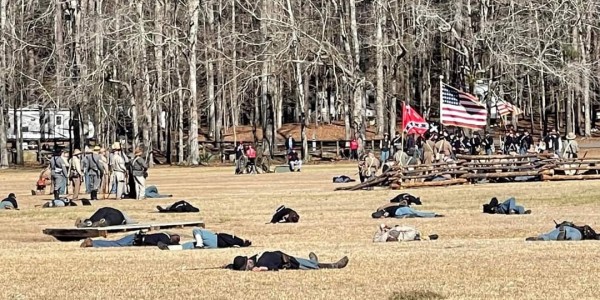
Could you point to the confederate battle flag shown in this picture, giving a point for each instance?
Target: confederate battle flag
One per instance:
(412, 122)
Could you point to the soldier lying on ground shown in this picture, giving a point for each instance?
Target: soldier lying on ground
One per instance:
(410, 199)
(398, 234)
(106, 216)
(178, 207)
(206, 239)
(10, 202)
(285, 215)
(401, 210)
(63, 202)
(277, 260)
(567, 231)
(138, 239)
(508, 207)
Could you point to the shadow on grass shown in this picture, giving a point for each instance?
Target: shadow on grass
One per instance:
(416, 295)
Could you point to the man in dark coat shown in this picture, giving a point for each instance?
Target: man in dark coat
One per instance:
(178, 207)
(552, 141)
(277, 260)
(106, 216)
(138, 239)
(285, 215)
(475, 144)
(525, 143)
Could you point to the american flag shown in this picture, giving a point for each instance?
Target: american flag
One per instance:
(505, 108)
(461, 109)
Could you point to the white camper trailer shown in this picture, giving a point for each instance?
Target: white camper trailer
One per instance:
(54, 126)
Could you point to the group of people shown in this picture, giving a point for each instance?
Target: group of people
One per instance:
(245, 157)
(97, 171)
(440, 147)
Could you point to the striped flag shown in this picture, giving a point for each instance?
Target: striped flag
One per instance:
(461, 109)
(505, 108)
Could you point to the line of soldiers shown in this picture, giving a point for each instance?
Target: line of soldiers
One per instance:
(441, 147)
(99, 172)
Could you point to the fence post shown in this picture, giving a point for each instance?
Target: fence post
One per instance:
(337, 149)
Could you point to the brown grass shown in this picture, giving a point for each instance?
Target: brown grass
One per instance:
(477, 257)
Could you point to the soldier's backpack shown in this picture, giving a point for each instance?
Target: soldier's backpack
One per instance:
(587, 232)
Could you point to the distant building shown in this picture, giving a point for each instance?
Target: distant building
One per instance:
(54, 126)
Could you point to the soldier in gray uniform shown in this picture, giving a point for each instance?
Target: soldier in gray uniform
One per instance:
(94, 170)
(59, 171)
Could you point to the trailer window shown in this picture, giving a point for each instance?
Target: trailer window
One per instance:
(58, 120)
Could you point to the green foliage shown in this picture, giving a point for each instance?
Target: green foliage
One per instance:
(416, 295)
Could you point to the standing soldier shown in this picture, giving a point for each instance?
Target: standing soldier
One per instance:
(76, 173)
(552, 141)
(105, 180)
(444, 148)
(94, 171)
(119, 170)
(488, 144)
(396, 143)
(139, 169)
(475, 143)
(385, 146)
(525, 143)
(429, 150)
(570, 146)
(58, 168)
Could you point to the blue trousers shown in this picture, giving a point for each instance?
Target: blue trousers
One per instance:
(209, 239)
(407, 212)
(571, 234)
(511, 205)
(307, 264)
(125, 241)
(5, 204)
(385, 155)
(88, 184)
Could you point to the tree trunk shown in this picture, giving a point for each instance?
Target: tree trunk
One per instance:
(380, 13)
(159, 12)
(3, 80)
(585, 40)
(193, 10)
(210, 66)
(235, 112)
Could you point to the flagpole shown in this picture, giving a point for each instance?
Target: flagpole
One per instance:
(441, 100)
(404, 127)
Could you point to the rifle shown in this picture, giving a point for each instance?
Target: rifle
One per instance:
(200, 269)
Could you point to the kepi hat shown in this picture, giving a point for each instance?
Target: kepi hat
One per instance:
(239, 263)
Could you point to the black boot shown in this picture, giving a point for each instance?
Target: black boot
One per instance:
(56, 195)
(94, 195)
(337, 265)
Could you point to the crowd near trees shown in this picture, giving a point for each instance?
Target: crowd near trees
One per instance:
(171, 68)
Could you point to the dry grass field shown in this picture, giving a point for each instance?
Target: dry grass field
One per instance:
(478, 256)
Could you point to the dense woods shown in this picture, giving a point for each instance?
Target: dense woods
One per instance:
(163, 69)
